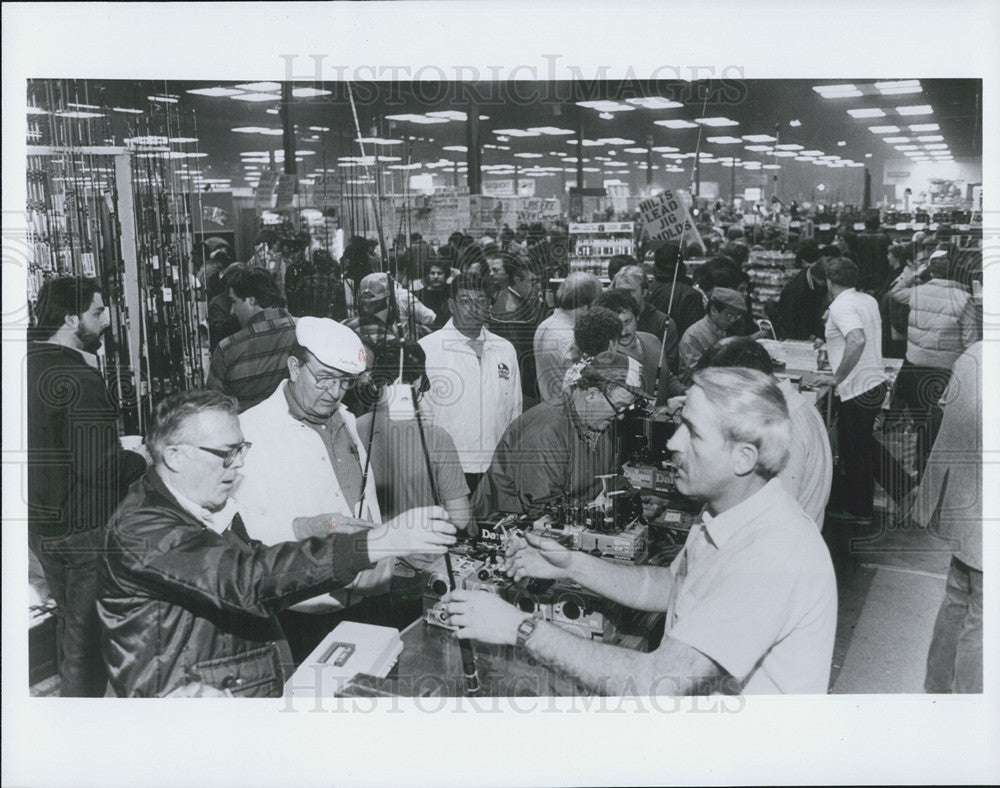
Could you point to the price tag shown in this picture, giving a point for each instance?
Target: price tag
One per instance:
(671, 516)
(168, 295)
(859, 226)
(175, 272)
(154, 261)
(824, 226)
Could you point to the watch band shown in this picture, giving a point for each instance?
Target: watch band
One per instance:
(525, 630)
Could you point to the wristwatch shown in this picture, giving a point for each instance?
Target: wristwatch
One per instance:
(525, 629)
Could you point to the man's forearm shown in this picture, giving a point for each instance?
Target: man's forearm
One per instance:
(638, 587)
(611, 670)
(852, 354)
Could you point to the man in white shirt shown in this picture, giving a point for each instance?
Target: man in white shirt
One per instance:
(854, 345)
(307, 475)
(751, 600)
(475, 379)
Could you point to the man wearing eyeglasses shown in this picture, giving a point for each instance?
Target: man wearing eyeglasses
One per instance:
(475, 388)
(185, 595)
(307, 472)
(556, 450)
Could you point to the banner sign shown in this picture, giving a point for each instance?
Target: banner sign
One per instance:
(664, 216)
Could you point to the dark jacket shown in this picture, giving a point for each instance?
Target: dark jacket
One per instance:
(801, 308)
(180, 603)
(77, 469)
(687, 307)
(872, 250)
(221, 321)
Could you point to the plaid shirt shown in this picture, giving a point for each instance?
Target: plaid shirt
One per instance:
(250, 364)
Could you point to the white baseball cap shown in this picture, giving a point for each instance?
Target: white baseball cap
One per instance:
(333, 344)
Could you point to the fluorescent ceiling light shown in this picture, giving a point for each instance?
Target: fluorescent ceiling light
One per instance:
(898, 87)
(248, 129)
(895, 140)
(676, 124)
(527, 155)
(916, 109)
(128, 110)
(789, 146)
(725, 140)
(783, 153)
(309, 92)
(516, 133)
(665, 149)
(930, 138)
(716, 122)
(78, 114)
(884, 129)
(837, 91)
(855, 164)
(759, 138)
(380, 141)
(606, 106)
(925, 127)
(215, 92)
(258, 97)
(163, 99)
(938, 146)
(456, 148)
(421, 119)
(260, 86)
(554, 131)
(614, 141)
(81, 106)
(759, 148)
(772, 167)
(906, 147)
(181, 140)
(636, 150)
(869, 112)
(795, 123)
(803, 158)
(811, 153)
(654, 102)
(448, 114)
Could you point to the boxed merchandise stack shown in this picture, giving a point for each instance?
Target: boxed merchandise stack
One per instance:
(769, 272)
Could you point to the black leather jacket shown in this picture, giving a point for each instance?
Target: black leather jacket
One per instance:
(181, 603)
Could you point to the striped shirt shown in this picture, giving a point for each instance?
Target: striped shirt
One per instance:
(251, 363)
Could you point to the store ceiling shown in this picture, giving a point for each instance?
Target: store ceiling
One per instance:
(760, 123)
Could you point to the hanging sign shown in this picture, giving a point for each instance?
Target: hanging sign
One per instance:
(664, 216)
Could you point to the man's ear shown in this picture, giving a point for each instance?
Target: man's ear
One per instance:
(72, 321)
(744, 458)
(293, 368)
(169, 457)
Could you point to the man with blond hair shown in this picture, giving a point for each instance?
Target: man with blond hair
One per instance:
(751, 600)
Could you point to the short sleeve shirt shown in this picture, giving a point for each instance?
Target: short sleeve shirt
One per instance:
(399, 466)
(849, 311)
(754, 590)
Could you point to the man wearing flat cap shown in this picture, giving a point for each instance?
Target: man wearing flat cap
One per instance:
(307, 475)
(725, 307)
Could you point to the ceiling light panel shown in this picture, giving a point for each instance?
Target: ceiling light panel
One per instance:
(725, 140)
(516, 133)
(215, 92)
(916, 109)
(606, 106)
(654, 102)
(869, 112)
(260, 87)
(885, 129)
(676, 124)
(257, 97)
(759, 138)
(553, 131)
(716, 122)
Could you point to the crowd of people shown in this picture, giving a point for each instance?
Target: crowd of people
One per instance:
(356, 413)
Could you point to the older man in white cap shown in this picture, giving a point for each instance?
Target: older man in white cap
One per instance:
(725, 307)
(308, 475)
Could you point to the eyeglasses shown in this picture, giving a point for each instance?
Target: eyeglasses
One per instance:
(620, 410)
(467, 302)
(328, 382)
(228, 456)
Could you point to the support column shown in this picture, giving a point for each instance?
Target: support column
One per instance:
(473, 156)
(287, 129)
